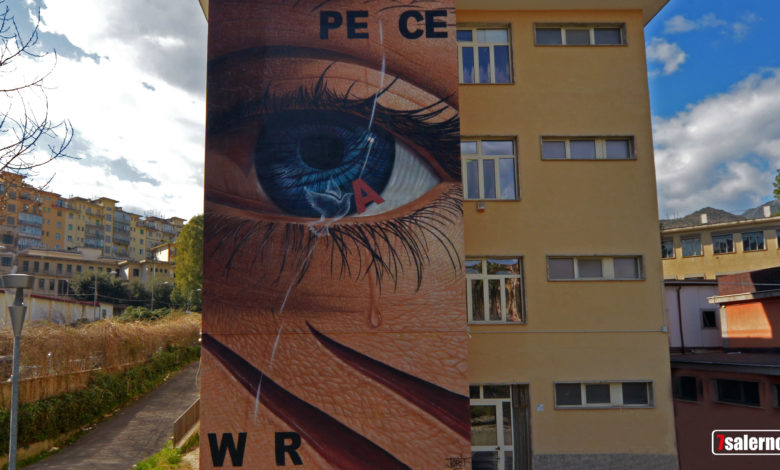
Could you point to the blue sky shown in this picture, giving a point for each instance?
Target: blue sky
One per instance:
(130, 77)
(715, 98)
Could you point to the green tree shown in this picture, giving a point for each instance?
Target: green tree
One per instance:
(189, 265)
(110, 288)
(777, 185)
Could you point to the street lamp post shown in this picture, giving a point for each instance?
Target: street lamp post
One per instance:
(14, 285)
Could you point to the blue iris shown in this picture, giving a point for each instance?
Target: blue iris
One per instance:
(301, 155)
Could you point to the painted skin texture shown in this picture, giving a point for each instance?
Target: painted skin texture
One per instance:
(388, 286)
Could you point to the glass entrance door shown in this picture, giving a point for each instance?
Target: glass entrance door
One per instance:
(491, 428)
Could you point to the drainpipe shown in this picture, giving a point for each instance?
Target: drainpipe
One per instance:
(679, 319)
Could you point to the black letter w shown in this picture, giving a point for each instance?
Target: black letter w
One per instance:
(218, 450)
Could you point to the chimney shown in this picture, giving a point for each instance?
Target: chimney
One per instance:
(767, 211)
(704, 219)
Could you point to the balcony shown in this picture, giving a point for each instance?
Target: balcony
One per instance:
(93, 233)
(93, 242)
(30, 219)
(120, 227)
(121, 238)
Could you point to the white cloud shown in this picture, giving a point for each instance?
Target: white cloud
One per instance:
(139, 113)
(721, 151)
(681, 24)
(669, 54)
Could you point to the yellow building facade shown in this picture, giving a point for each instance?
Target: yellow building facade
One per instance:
(587, 363)
(705, 251)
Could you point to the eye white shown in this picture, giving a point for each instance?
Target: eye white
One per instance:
(411, 179)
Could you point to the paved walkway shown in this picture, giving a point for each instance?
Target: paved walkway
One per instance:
(133, 434)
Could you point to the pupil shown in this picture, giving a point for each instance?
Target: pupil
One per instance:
(321, 152)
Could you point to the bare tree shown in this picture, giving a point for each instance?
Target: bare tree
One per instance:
(28, 137)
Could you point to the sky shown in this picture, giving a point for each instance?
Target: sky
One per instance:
(130, 78)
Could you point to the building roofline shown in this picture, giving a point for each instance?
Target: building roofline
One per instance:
(731, 298)
(649, 8)
(696, 228)
(690, 282)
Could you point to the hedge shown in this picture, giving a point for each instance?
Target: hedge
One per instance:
(51, 417)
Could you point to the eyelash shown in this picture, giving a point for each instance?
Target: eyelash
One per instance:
(374, 240)
(441, 139)
(371, 241)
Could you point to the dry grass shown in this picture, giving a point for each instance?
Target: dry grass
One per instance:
(50, 349)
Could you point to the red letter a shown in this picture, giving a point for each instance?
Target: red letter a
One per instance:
(363, 195)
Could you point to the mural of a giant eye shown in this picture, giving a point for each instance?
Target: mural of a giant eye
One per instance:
(309, 162)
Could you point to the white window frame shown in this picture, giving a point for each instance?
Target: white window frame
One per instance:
(682, 246)
(615, 395)
(484, 277)
(763, 240)
(722, 235)
(671, 241)
(465, 157)
(607, 267)
(474, 44)
(600, 144)
(591, 27)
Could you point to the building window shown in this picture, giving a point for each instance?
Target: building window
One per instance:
(560, 268)
(25, 266)
(686, 388)
(667, 248)
(9, 220)
(776, 392)
(36, 266)
(11, 207)
(691, 246)
(484, 56)
(489, 169)
(78, 268)
(70, 216)
(69, 269)
(723, 244)
(59, 268)
(136, 272)
(46, 267)
(57, 236)
(708, 319)
(41, 284)
(587, 148)
(600, 395)
(580, 35)
(495, 290)
(752, 241)
(51, 284)
(738, 392)
(6, 261)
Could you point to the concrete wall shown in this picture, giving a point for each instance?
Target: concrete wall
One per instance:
(753, 324)
(43, 308)
(693, 299)
(696, 420)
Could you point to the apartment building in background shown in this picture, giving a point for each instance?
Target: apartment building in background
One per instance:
(34, 218)
(710, 242)
(569, 354)
(54, 238)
